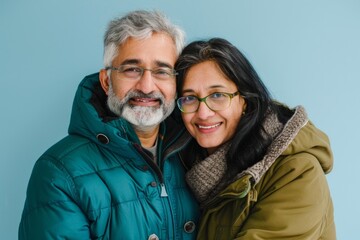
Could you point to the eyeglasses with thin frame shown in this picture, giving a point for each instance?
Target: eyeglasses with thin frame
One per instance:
(216, 102)
(134, 72)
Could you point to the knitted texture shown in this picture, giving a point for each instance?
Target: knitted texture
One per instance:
(206, 174)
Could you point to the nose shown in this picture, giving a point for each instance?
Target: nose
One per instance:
(146, 83)
(204, 111)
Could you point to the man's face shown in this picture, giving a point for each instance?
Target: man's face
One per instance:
(147, 100)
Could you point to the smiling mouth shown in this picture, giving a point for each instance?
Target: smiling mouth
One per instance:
(209, 127)
(149, 102)
(145, 100)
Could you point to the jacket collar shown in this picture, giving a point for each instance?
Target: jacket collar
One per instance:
(285, 135)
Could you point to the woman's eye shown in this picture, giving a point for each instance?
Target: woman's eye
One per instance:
(217, 95)
(188, 99)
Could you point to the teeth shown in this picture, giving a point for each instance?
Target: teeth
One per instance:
(143, 100)
(208, 127)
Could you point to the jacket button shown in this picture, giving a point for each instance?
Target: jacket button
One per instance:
(153, 237)
(102, 138)
(189, 227)
(153, 184)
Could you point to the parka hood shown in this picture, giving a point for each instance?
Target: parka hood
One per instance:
(91, 119)
(297, 135)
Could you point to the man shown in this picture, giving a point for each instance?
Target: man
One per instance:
(118, 175)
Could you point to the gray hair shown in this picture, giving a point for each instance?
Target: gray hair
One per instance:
(139, 24)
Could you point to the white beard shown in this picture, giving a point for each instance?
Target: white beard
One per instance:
(143, 116)
(140, 117)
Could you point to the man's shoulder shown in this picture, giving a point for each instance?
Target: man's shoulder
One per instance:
(73, 154)
(77, 156)
(69, 145)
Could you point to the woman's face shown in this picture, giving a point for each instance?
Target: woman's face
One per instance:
(211, 128)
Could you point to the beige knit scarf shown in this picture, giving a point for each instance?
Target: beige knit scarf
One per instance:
(206, 174)
(206, 177)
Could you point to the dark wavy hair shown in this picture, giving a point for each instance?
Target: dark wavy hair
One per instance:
(249, 142)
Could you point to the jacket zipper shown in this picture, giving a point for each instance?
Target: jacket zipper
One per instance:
(149, 161)
(163, 192)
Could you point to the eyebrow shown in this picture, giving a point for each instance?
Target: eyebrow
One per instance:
(163, 64)
(130, 61)
(138, 62)
(210, 87)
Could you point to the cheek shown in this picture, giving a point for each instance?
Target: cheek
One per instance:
(187, 121)
(235, 113)
(233, 120)
(121, 89)
(168, 90)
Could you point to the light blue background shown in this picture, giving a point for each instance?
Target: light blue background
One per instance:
(307, 52)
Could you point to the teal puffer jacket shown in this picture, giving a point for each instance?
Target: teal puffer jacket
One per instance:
(98, 183)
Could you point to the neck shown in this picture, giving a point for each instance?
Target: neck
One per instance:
(147, 136)
(211, 150)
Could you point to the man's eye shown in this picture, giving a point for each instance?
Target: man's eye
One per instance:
(161, 71)
(132, 69)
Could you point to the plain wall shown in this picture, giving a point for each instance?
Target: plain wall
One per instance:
(307, 52)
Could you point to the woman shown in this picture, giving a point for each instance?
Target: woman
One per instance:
(258, 168)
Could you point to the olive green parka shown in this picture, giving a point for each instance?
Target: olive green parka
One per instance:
(283, 196)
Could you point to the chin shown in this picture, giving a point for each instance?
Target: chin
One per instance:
(209, 145)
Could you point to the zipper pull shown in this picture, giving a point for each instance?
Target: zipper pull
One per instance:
(163, 190)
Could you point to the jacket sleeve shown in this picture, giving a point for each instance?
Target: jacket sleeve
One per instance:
(50, 210)
(293, 202)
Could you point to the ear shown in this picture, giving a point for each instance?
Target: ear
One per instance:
(104, 80)
(245, 105)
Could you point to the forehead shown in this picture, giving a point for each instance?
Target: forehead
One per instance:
(159, 47)
(206, 75)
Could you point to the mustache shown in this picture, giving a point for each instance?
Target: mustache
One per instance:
(140, 94)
